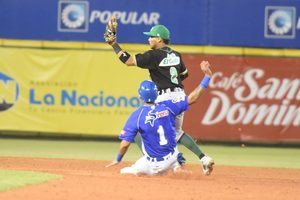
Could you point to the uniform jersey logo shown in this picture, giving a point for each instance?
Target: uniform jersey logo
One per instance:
(151, 117)
(170, 60)
(123, 132)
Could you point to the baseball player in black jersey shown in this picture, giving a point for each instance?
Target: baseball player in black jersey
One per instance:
(167, 71)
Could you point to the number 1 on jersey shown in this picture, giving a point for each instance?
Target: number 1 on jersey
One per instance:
(162, 138)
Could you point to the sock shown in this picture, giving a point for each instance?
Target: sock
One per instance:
(138, 141)
(189, 143)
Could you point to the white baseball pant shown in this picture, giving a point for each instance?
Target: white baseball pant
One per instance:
(152, 166)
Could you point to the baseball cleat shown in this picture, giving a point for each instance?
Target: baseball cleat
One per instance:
(129, 170)
(207, 165)
(181, 160)
(177, 167)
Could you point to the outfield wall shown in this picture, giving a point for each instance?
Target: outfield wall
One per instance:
(251, 23)
(250, 98)
(66, 91)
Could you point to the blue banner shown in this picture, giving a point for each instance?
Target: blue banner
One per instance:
(255, 23)
(85, 20)
(247, 23)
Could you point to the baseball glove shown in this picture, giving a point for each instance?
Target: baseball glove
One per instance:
(110, 35)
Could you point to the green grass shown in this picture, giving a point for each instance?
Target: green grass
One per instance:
(96, 150)
(10, 179)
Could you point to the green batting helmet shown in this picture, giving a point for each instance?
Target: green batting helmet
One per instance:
(159, 31)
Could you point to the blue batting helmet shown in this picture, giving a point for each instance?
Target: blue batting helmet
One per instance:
(148, 91)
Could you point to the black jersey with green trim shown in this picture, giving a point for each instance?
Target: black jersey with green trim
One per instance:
(165, 67)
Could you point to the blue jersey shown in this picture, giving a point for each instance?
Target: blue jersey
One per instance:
(156, 124)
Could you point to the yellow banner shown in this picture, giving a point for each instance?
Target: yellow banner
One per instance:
(66, 91)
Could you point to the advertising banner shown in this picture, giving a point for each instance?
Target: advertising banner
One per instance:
(92, 92)
(88, 92)
(248, 99)
(255, 23)
(85, 20)
(247, 23)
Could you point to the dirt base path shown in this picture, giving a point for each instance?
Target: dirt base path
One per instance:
(90, 180)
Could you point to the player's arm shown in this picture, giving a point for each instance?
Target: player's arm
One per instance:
(127, 136)
(123, 55)
(183, 71)
(123, 147)
(110, 36)
(184, 75)
(122, 151)
(143, 60)
(194, 95)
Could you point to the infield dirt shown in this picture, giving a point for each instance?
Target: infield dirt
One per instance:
(90, 180)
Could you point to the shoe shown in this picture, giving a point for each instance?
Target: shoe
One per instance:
(207, 165)
(129, 170)
(177, 167)
(179, 164)
(181, 160)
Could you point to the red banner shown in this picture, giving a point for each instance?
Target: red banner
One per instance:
(249, 99)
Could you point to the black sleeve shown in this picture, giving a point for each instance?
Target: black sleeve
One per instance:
(183, 70)
(183, 76)
(146, 60)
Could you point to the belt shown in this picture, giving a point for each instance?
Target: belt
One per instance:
(158, 159)
(168, 90)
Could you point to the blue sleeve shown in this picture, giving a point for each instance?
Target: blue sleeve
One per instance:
(177, 106)
(130, 129)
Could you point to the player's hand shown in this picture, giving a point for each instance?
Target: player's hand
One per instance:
(110, 34)
(110, 38)
(205, 67)
(113, 163)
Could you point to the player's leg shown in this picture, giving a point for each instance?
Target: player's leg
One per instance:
(173, 162)
(141, 166)
(207, 162)
(169, 163)
(187, 141)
